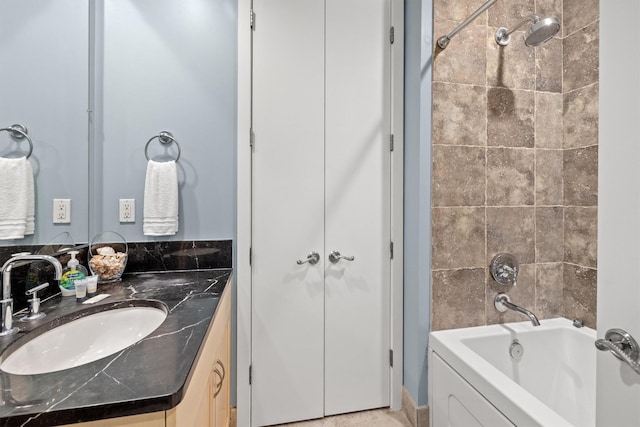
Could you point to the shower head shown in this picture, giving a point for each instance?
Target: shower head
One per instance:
(541, 31)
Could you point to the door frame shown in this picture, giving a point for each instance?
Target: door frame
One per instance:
(243, 209)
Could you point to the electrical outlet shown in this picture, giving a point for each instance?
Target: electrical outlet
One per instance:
(61, 211)
(127, 210)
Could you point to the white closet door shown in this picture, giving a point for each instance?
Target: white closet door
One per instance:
(357, 205)
(288, 206)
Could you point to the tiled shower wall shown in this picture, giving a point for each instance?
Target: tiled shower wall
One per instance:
(514, 162)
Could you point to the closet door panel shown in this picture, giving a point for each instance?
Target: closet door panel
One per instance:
(288, 206)
(357, 205)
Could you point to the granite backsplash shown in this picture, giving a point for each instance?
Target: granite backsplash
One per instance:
(143, 257)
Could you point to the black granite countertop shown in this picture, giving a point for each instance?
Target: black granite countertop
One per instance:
(149, 376)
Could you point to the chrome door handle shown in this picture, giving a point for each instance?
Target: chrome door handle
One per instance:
(335, 256)
(312, 259)
(622, 345)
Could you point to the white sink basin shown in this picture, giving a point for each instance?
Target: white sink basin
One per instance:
(84, 340)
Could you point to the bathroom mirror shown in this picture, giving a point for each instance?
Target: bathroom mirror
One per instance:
(44, 79)
(93, 81)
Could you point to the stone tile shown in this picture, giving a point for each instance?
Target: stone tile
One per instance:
(578, 14)
(510, 177)
(548, 8)
(549, 177)
(549, 66)
(409, 407)
(510, 115)
(511, 230)
(549, 234)
(580, 117)
(465, 59)
(581, 176)
(458, 238)
(511, 66)
(458, 11)
(581, 58)
(376, 417)
(418, 416)
(580, 294)
(507, 13)
(581, 236)
(379, 418)
(458, 298)
(549, 290)
(458, 176)
(459, 114)
(523, 294)
(549, 125)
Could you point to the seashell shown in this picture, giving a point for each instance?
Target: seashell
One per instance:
(106, 250)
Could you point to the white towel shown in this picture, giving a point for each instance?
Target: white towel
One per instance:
(14, 195)
(161, 199)
(31, 202)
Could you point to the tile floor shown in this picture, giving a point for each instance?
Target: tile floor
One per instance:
(375, 418)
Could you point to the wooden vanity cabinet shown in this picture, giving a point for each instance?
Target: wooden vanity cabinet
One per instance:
(207, 399)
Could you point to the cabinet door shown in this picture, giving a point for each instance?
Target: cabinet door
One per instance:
(357, 205)
(287, 211)
(221, 388)
(198, 407)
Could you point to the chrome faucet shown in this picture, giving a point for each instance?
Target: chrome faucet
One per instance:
(503, 303)
(6, 322)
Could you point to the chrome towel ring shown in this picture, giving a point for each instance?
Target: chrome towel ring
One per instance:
(165, 138)
(19, 132)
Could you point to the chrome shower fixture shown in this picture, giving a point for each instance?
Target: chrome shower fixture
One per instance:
(540, 32)
(443, 41)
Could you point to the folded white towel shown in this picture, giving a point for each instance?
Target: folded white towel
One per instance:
(14, 183)
(160, 199)
(31, 202)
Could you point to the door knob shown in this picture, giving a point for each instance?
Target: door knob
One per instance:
(312, 259)
(622, 345)
(335, 256)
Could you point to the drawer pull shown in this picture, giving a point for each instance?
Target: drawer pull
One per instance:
(221, 375)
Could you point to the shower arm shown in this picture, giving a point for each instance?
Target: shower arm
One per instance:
(533, 18)
(443, 41)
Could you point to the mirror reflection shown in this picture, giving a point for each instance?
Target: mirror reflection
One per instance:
(93, 81)
(44, 77)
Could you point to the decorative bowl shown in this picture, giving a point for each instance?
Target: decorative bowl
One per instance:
(108, 253)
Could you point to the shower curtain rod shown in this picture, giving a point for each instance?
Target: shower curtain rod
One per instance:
(443, 41)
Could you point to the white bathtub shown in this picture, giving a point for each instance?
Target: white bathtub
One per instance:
(473, 380)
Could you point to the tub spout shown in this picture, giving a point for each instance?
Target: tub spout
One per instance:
(503, 303)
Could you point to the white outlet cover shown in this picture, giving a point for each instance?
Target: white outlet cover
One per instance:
(61, 211)
(127, 210)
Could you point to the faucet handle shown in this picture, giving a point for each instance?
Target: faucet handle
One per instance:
(20, 254)
(34, 307)
(36, 289)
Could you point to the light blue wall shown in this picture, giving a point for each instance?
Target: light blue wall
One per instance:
(417, 193)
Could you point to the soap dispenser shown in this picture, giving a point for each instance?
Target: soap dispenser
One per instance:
(74, 271)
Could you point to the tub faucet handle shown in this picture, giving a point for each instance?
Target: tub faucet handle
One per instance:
(504, 269)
